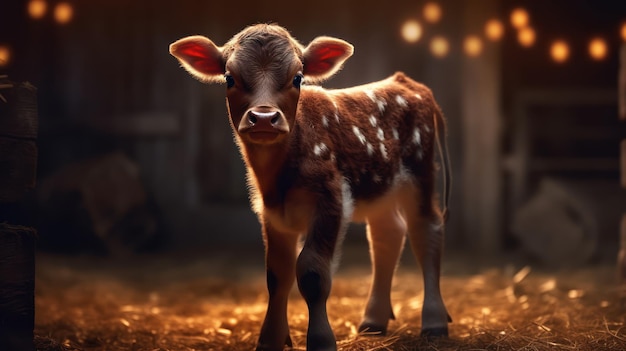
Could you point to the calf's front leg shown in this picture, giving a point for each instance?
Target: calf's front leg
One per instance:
(313, 271)
(280, 261)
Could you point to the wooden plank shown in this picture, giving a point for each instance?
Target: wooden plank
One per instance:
(622, 83)
(623, 162)
(18, 116)
(17, 287)
(18, 165)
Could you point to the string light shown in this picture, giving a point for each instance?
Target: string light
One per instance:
(432, 12)
(526, 37)
(411, 31)
(5, 55)
(63, 13)
(439, 47)
(519, 18)
(473, 46)
(37, 8)
(598, 49)
(623, 31)
(559, 51)
(494, 30)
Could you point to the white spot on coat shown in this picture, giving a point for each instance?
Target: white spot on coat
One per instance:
(417, 137)
(395, 134)
(370, 149)
(376, 178)
(325, 121)
(383, 151)
(359, 135)
(419, 154)
(401, 101)
(418, 96)
(381, 105)
(319, 149)
(373, 121)
(337, 117)
(380, 134)
(371, 94)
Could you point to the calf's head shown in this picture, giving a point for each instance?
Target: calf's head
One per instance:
(263, 67)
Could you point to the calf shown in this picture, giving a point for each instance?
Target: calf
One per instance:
(318, 159)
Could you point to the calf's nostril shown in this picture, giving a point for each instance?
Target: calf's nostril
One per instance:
(252, 118)
(275, 119)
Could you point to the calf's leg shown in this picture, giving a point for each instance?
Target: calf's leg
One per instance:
(280, 258)
(313, 270)
(425, 226)
(386, 232)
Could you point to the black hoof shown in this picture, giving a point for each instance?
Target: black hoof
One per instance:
(288, 343)
(373, 329)
(432, 333)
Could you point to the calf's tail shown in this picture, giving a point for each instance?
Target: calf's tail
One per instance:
(442, 148)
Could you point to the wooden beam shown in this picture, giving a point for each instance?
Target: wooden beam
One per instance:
(622, 83)
(481, 124)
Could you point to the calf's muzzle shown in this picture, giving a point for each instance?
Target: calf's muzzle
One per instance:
(263, 124)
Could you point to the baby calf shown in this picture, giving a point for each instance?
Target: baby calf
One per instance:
(318, 159)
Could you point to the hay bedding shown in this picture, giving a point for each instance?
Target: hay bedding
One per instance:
(216, 304)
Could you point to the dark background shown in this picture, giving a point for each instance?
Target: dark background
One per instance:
(107, 84)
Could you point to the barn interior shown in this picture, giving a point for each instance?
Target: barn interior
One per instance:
(145, 238)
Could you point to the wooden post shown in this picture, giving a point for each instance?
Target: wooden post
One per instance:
(481, 123)
(18, 161)
(621, 257)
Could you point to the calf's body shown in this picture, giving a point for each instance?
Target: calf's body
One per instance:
(318, 159)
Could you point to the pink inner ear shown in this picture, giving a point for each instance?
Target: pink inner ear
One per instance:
(324, 59)
(200, 58)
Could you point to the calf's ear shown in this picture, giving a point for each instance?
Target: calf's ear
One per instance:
(200, 57)
(324, 56)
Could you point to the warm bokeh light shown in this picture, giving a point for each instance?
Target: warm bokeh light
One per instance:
(623, 31)
(526, 37)
(411, 31)
(5, 55)
(494, 29)
(63, 13)
(37, 8)
(598, 49)
(439, 46)
(519, 18)
(472, 45)
(559, 51)
(432, 12)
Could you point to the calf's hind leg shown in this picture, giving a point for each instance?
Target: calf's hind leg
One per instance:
(385, 232)
(425, 228)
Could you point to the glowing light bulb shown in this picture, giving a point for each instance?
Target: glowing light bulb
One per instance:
(473, 46)
(598, 49)
(559, 51)
(63, 13)
(494, 30)
(411, 31)
(519, 18)
(5, 55)
(623, 31)
(439, 46)
(37, 8)
(526, 37)
(432, 12)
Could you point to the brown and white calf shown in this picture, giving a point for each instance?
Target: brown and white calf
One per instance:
(318, 159)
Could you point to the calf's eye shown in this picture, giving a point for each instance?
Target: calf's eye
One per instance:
(230, 81)
(297, 80)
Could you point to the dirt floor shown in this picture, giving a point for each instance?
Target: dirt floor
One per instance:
(217, 302)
